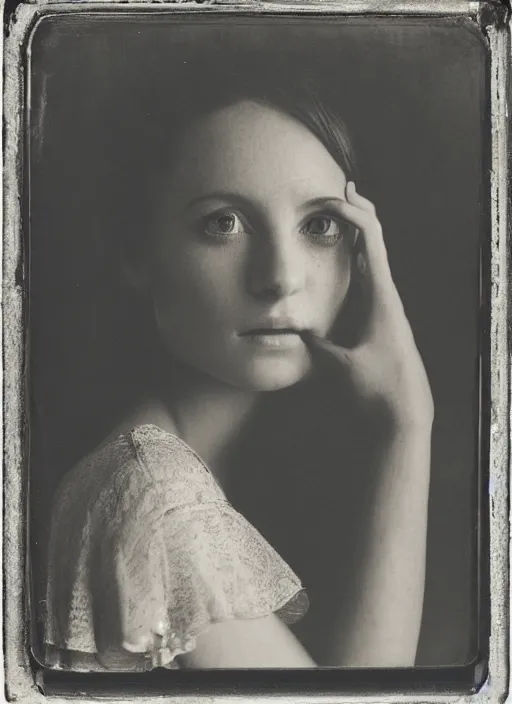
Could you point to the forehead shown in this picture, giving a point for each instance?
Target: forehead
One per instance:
(255, 147)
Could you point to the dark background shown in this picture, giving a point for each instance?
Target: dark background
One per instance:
(414, 95)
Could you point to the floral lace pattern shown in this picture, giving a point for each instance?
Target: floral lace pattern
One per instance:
(146, 552)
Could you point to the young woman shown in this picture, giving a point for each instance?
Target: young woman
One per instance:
(241, 227)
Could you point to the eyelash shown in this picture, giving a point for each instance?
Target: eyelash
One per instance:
(324, 239)
(215, 216)
(320, 239)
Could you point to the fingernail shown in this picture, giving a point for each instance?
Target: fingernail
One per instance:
(351, 186)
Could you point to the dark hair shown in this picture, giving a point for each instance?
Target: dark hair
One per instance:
(153, 108)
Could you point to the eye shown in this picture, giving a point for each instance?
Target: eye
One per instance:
(324, 228)
(224, 224)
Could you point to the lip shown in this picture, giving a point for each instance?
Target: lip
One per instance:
(276, 326)
(278, 334)
(275, 339)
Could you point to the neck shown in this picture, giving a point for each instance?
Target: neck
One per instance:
(208, 413)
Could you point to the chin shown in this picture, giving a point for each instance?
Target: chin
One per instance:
(274, 375)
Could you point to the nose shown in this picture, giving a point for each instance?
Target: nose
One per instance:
(276, 267)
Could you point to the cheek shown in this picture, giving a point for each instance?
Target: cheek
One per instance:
(193, 286)
(333, 276)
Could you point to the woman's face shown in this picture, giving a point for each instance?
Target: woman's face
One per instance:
(250, 250)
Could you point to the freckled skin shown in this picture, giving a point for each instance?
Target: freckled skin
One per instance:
(207, 290)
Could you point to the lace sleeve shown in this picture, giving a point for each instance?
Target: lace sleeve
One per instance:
(194, 566)
(146, 553)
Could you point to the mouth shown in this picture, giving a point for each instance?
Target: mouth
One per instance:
(275, 338)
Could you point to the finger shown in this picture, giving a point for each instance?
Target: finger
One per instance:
(357, 199)
(375, 244)
(334, 362)
(373, 263)
(326, 349)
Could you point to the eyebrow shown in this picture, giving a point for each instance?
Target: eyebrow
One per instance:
(238, 197)
(226, 196)
(323, 201)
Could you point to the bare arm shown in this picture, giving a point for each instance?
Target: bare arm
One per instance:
(387, 373)
(253, 643)
(386, 617)
(264, 642)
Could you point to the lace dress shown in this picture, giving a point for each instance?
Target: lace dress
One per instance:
(146, 552)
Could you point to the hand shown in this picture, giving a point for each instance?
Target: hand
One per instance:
(385, 366)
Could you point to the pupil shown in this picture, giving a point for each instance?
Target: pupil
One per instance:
(225, 223)
(320, 226)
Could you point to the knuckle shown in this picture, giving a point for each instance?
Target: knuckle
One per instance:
(377, 226)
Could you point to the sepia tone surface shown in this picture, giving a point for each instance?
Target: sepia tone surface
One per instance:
(499, 270)
(414, 98)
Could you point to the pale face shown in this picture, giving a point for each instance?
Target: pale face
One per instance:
(250, 247)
